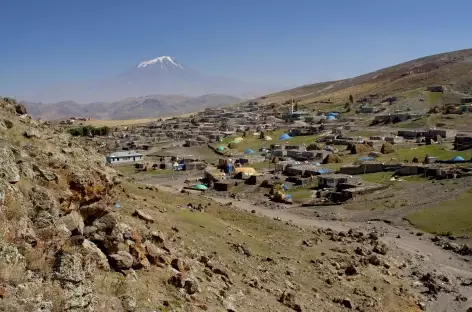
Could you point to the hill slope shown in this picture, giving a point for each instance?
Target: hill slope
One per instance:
(66, 244)
(452, 70)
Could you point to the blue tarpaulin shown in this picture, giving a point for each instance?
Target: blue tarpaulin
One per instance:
(284, 136)
(457, 158)
(366, 158)
(285, 187)
(249, 151)
(323, 171)
(330, 117)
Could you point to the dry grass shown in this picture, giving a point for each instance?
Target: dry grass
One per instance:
(14, 209)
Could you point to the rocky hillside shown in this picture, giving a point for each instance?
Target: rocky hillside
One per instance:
(74, 236)
(452, 70)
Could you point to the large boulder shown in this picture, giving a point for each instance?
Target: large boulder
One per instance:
(122, 260)
(73, 222)
(20, 109)
(139, 253)
(9, 170)
(32, 133)
(156, 255)
(69, 267)
(96, 255)
(143, 216)
(288, 299)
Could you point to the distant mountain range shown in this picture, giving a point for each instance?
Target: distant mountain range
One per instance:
(157, 87)
(131, 108)
(162, 75)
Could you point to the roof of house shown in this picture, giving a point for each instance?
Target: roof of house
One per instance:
(124, 154)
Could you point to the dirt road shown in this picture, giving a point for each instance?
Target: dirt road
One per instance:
(419, 252)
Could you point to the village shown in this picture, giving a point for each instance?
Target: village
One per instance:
(284, 156)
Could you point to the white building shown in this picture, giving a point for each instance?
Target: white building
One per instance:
(124, 157)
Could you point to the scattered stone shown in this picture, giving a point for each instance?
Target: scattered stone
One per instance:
(129, 303)
(288, 299)
(179, 265)
(374, 260)
(422, 306)
(221, 271)
(122, 260)
(139, 253)
(45, 174)
(177, 280)
(96, 254)
(359, 251)
(69, 267)
(72, 222)
(380, 248)
(351, 270)
(155, 254)
(191, 286)
(347, 303)
(144, 216)
(32, 133)
(8, 168)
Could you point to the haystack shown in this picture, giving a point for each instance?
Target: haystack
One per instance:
(313, 147)
(332, 159)
(233, 145)
(361, 148)
(387, 148)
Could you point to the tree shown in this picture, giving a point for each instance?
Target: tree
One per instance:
(351, 99)
(296, 107)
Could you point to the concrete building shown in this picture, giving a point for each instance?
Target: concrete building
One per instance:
(124, 157)
(333, 180)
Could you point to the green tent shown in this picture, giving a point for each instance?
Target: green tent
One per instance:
(220, 148)
(200, 187)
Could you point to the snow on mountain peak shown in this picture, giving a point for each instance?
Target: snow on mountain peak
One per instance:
(161, 60)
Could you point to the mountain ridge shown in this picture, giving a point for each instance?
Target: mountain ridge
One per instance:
(452, 69)
(130, 108)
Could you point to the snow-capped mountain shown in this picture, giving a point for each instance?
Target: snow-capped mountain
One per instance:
(160, 75)
(162, 60)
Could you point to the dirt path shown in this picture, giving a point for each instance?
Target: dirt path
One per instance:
(418, 251)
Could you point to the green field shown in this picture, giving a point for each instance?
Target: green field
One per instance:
(129, 170)
(301, 193)
(450, 217)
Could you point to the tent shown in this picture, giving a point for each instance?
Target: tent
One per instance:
(267, 138)
(248, 151)
(200, 187)
(323, 171)
(457, 158)
(246, 171)
(331, 117)
(220, 148)
(366, 158)
(284, 137)
(238, 139)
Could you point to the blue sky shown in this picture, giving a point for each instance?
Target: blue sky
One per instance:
(48, 42)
